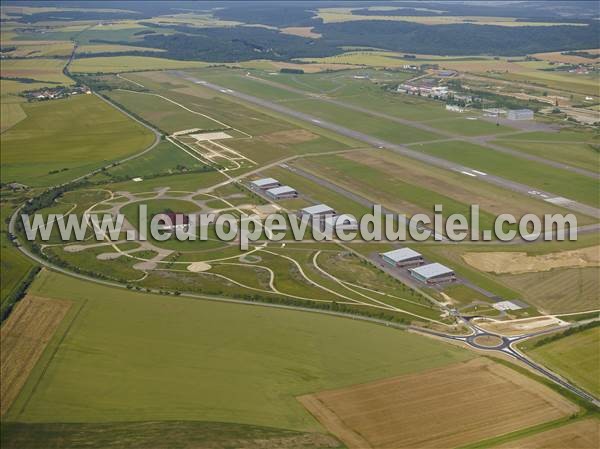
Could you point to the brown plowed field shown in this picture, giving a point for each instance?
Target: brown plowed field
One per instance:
(23, 338)
(447, 407)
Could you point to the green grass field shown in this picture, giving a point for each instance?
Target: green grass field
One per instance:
(557, 181)
(187, 359)
(68, 138)
(162, 113)
(142, 435)
(583, 155)
(575, 357)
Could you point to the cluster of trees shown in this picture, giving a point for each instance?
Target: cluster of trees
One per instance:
(222, 44)
(9, 302)
(570, 331)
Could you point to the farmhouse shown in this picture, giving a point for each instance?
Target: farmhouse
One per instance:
(282, 192)
(403, 257)
(433, 273)
(318, 210)
(342, 222)
(520, 114)
(265, 183)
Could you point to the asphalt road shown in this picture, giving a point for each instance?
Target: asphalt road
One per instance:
(400, 149)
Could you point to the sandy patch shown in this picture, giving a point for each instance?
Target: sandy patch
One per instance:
(301, 31)
(520, 262)
(198, 267)
(522, 326)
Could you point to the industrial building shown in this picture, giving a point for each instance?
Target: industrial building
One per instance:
(433, 273)
(282, 192)
(318, 210)
(520, 114)
(265, 183)
(341, 222)
(403, 257)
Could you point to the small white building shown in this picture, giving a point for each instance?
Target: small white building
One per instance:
(433, 273)
(506, 305)
(318, 210)
(341, 222)
(282, 192)
(402, 257)
(265, 183)
(454, 108)
(520, 114)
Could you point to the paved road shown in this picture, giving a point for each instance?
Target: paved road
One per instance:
(506, 347)
(478, 140)
(400, 149)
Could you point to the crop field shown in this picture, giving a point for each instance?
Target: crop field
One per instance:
(257, 379)
(333, 15)
(584, 434)
(10, 115)
(48, 71)
(557, 181)
(31, 49)
(66, 138)
(141, 435)
(23, 338)
(574, 357)
(446, 407)
(118, 64)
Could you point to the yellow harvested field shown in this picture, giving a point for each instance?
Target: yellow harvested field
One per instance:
(557, 56)
(521, 262)
(583, 434)
(446, 407)
(333, 15)
(301, 31)
(23, 338)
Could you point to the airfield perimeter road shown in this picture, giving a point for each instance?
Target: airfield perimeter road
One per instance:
(478, 140)
(401, 149)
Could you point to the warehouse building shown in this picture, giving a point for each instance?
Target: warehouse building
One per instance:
(341, 222)
(318, 210)
(520, 114)
(403, 257)
(265, 183)
(282, 192)
(433, 273)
